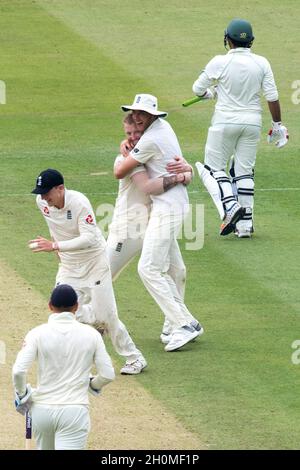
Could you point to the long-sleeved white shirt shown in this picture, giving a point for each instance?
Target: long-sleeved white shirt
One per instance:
(241, 76)
(65, 351)
(74, 228)
(132, 207)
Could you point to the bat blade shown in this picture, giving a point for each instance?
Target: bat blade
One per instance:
(28, 431)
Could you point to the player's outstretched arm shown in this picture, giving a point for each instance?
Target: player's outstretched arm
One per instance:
(179, 165)
(156, 186)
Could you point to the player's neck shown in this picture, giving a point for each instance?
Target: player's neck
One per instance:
(61, 202)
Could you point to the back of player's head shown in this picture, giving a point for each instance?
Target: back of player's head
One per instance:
(63, 297)
(239, 32)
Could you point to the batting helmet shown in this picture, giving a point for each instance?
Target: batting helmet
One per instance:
(240, 32)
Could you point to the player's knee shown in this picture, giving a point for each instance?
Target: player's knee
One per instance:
(183, 275)
(180, 275)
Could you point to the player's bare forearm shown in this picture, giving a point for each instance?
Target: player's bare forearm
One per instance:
(170, 181)
(148, 185)
(274, 107)
(156, 186)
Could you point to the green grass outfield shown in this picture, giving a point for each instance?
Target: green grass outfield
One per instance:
(68, 66)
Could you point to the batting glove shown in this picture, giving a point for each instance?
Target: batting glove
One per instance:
(210, 94)
(278, 134)
(94, 391)
(23, 403)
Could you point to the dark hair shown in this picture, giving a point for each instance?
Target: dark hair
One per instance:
(240, 44)
(63, 297)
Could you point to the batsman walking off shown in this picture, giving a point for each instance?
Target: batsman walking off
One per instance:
(65, 351)
(84, 265)
(235, 130)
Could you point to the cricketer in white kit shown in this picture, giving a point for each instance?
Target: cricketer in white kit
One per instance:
(132, 211)
(133, 205)
(84, 264)
(235, 130)
(156, 148)
(65, 351)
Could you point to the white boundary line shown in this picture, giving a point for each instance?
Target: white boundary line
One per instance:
(114, 193)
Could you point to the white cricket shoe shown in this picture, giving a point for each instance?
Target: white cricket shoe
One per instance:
(233, 215)
(180, 337)
(134, 368)
(198, 327)
(243, 233)
(244, 229)
(166, 336)
(166, 332)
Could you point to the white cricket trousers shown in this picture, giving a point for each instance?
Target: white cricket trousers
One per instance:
(121, 253)
(160, 251)
(97, 304)
(60, 427)
(225, 140)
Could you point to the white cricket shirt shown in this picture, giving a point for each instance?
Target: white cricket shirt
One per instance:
(156, 148)
(241, 77)
(65, 350)
(74, 228)
(132, 207)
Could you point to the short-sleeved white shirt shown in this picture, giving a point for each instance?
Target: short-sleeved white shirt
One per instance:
(156, 148)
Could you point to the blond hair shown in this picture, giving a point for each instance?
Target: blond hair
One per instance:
(128, 119)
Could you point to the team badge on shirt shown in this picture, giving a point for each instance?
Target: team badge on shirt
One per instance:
(46, 211)
(136, 150)
(89, 219)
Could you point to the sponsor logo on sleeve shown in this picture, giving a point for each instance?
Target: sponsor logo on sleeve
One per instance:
(46, 211)
(89, 219)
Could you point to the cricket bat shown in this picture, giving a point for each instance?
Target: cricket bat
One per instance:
(28, 431)
(192, 101)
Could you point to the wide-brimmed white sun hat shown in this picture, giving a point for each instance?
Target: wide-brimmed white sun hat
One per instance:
(144, 102)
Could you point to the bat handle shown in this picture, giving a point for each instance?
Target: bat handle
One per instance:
(191, 101)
